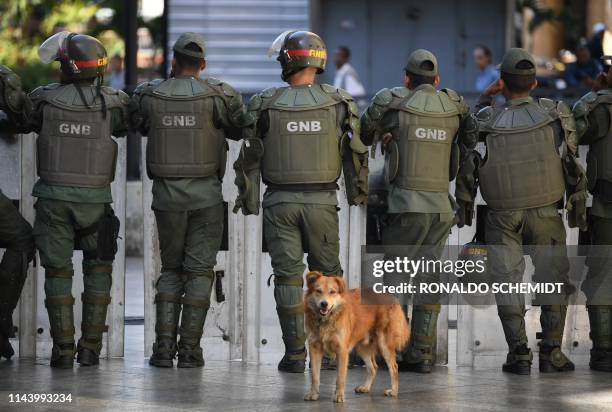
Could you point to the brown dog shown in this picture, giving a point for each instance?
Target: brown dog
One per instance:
(337, 322)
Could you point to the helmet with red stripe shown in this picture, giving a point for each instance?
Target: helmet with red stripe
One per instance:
(298, 50)
(80, 56)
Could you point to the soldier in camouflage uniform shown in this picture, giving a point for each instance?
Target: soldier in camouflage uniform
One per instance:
(76, 154)
(593, 114)
(523, 180)
(15, 231)
(425, 134)
(309, 131)
(187, 120)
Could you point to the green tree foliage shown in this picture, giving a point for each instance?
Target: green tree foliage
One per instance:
(25, 24)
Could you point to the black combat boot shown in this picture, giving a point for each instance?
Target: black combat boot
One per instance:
(62, 356)
(93, 324)
(419, 356)
(552, 320)
(288, 293)
(600, 320)
(164, 352)
(61, 321)
(192, 327)
(519, 361)
(553, 360)
(293, 362)
(168, 311)
(6, 331)
(6, 350)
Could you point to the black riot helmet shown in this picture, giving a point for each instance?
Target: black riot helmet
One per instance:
(297, 50)
(80, 56)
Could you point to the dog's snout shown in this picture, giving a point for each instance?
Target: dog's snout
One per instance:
(324, 304)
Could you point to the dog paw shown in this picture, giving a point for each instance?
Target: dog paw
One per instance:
(311, 396)
(339, 398)
(362, 389)
(390, 392)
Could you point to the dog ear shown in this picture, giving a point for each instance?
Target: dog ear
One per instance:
(341, 284)
(312, 277)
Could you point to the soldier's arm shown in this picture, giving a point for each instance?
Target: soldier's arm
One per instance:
(247, 165)
(466, 182)
(575, 176)
(138, 112)
(14, 102)
(592, 123)
(33, 119)
(120, 114)
(230, 113)
(354, 152)
(372, 117)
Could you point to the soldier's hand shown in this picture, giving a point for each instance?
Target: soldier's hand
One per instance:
(494, 88)
(386, 139)
(601, 82)
(465, 213)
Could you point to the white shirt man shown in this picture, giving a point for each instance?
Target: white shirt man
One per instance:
(346, 76)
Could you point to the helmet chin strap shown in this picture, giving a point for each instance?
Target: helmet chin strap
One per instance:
(99, 80)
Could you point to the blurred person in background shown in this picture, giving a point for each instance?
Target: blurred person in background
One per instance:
(346, 76)
(488, 73)
(583, 72)
(595, 44)
(117, 74)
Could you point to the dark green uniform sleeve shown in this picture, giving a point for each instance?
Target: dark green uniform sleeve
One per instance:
(371, 118)
(230, 112)
(120, 116)
(592, 120)
(354, 153)
(248, 164)
(575, 176)
(469, 159)
(139, 109)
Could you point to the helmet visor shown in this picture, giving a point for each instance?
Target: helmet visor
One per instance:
(51, 49)
(277, 44)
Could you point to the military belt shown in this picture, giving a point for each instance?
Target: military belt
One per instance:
(303, 187)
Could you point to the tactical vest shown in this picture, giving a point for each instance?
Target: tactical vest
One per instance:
(75, 147)
(183, 140)
(523, 167)
(302, 145)
(419, 157)
(599, 157)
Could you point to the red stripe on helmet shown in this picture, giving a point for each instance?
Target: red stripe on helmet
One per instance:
(322, 54)
(90, 63)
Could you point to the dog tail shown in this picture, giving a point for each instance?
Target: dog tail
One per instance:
(401, 327)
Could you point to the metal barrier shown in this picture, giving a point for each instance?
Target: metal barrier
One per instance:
(17, 178)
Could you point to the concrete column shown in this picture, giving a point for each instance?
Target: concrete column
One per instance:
(548, 37)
